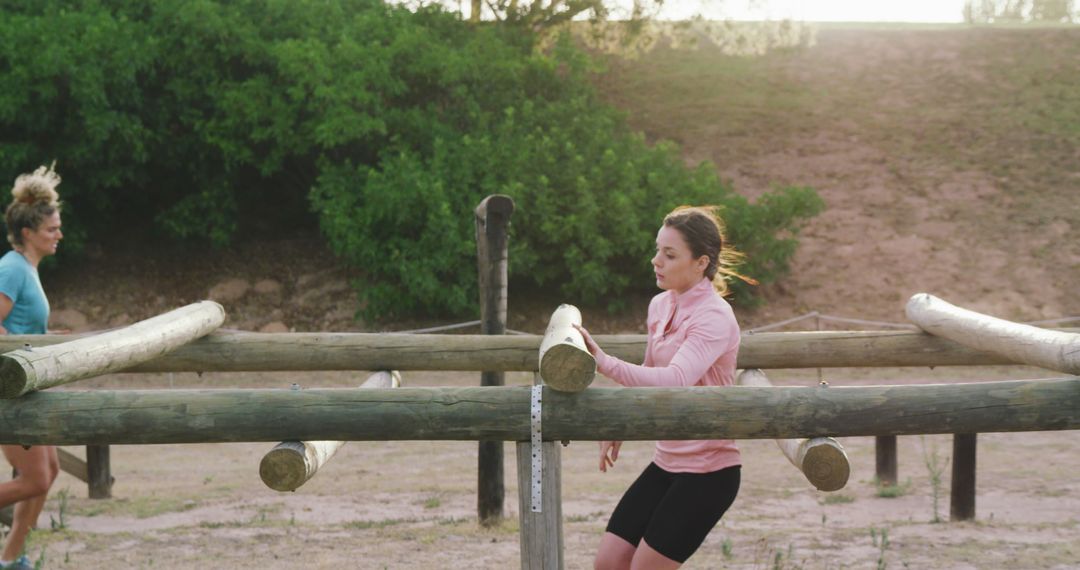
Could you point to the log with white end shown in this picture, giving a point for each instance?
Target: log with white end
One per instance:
(1054, 350)
(36, 368)
(821, 459)
(565, 362)
(290, 464)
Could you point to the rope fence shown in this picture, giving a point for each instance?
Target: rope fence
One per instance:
(818, 316)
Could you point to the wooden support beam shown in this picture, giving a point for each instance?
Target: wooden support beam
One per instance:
(885, 460)
(292, 463)
(540, 534)
(1044, 348)
(565, 363)
(478, 413)
(821, 459)
(253, 352)
(98, 472)
(492, 223)
(962, 497)
(39, 367)
(72, 465)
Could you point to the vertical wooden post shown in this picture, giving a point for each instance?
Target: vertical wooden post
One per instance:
(885, 450)
(99, 477)
(540, 533)
(962, 499)
(492, 240)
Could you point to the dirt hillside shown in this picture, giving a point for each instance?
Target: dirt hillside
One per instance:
(949, 160)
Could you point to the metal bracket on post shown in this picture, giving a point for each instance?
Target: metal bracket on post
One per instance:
(536, 413)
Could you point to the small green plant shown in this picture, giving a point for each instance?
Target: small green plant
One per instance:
(886, 491)
(726, 548)
(40, 562)
(882, 545)
(363, 525)
(59, 523)
(785, 561)
(432, 502)
(838, 499)
(935, 467)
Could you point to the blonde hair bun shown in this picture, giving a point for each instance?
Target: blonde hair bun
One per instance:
(38, 186)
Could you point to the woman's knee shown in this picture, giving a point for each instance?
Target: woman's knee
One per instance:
(54, 471)
(615, 553)
(38, 484)
(611, 561)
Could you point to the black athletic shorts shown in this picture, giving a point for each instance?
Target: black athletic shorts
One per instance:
(674, 512)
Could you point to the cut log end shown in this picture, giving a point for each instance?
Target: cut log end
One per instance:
(826, 467)
(12, 377)
(567, 368)
(283, 469)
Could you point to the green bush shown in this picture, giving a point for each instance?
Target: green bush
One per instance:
(384, 126)
(590, 194)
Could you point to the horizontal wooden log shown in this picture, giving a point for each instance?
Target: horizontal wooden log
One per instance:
(1053, 350)
(39, 367)
(821, 460)
(290, 464)
(491, 413)
(258, 352)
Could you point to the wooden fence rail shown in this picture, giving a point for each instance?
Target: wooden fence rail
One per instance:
(251, 352)
(478, 413)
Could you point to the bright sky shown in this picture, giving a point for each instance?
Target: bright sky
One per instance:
(820, 10)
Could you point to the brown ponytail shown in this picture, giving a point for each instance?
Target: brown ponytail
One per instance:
(703, 231)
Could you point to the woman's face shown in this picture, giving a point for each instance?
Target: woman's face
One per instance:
(674, 264)
(43, 239)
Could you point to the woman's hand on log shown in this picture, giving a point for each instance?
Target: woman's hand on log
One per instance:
(594, 349)
(609, 453)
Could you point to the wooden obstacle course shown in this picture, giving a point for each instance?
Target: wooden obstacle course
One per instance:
(33, 368)
(290, 464)
(495, 414)
(822, 460)
(564, 361)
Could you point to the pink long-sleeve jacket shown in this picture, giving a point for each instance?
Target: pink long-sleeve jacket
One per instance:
(693, 341)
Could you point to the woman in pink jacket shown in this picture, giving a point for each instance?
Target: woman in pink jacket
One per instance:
(693, 340)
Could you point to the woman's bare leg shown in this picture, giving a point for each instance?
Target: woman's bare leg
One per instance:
(614, 553)
(38, 467)
(645, 558)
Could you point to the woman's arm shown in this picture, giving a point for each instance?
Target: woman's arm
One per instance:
(5, 309)
(702, 347)
(706, 341)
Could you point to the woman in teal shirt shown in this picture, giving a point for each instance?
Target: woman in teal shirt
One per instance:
(33, 224)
